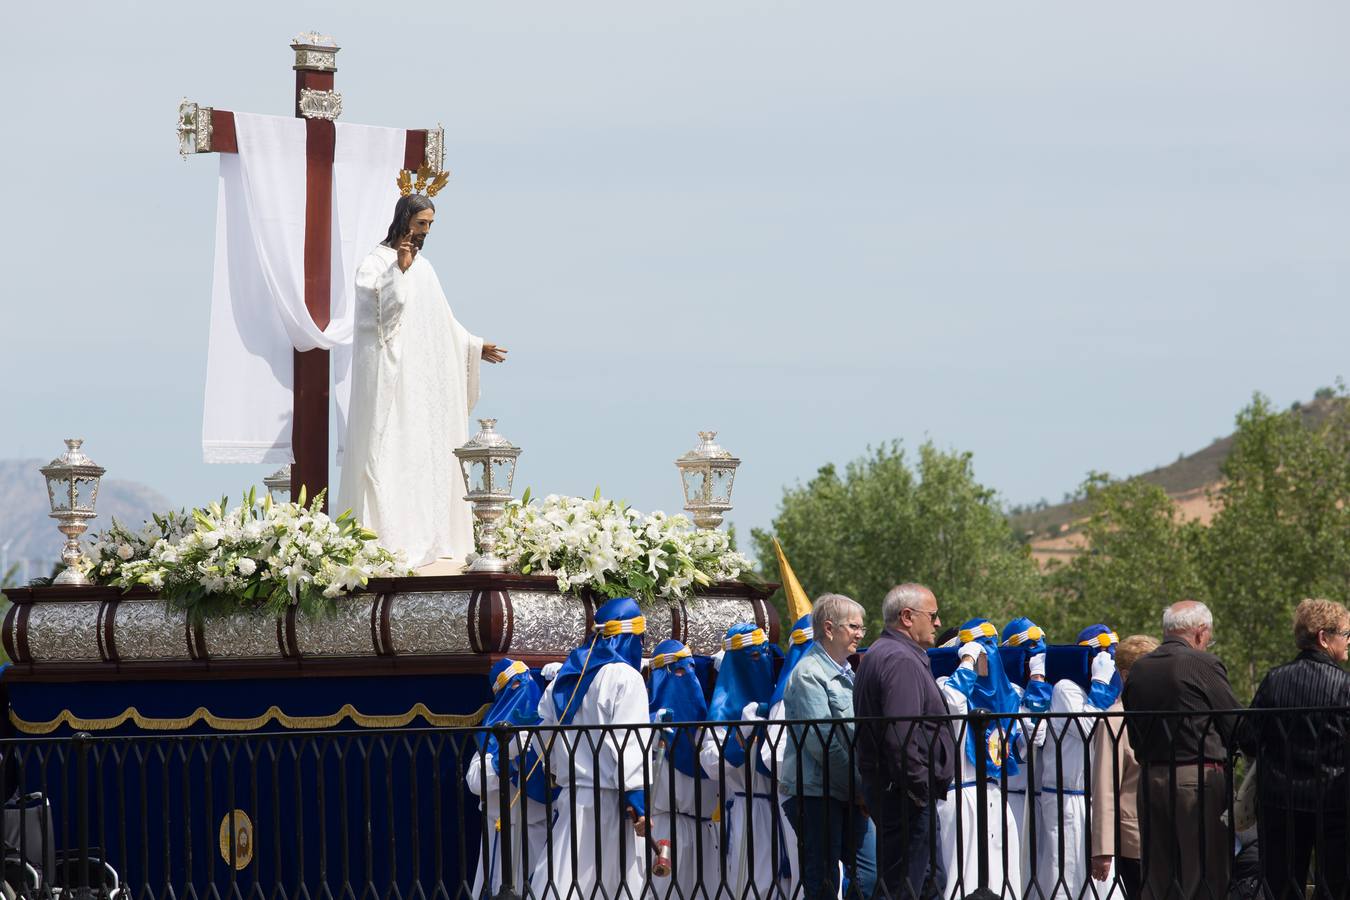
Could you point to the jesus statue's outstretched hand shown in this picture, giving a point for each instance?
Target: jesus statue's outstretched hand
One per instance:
(494, 354)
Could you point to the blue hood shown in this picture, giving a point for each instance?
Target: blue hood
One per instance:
(993, 692)
(617, 638)
(798, 643)
(675, 687)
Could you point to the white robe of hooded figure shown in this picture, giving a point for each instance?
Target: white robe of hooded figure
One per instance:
(414, 382)
(957, 813)
(1062, 805)
(685, 818)
(484, 782)
(753, 815)
(595, 824)
(1025, 783)
(772, 752)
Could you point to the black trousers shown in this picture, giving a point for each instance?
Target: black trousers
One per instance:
(1188, 850)
(1291, 840)
(1131, 881)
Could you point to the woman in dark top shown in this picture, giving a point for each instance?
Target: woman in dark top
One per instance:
(1302, 791)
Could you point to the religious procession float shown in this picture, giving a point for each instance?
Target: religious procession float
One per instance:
(266, 616)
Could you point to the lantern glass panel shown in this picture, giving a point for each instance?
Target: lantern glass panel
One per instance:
(477, 475)
(503, 472)
(58, 493)
(721, 484)
(695, 483)
(85, 489)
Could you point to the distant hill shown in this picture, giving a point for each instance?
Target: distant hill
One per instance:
(1051, 530)
(25, 523)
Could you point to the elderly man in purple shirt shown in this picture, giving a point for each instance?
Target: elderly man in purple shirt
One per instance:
(906, 766)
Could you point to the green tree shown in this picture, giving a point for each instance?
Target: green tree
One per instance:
(1139, 557)
(1282, 532)
(882, 522)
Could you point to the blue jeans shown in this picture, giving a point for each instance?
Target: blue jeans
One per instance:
(831, 832)
(904, 846)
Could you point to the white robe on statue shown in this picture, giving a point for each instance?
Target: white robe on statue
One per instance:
(581, 761)
(414, 382)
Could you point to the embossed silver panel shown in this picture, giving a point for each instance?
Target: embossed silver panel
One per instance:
(63, 632)
(345, 633)
(435, 148)
(709, 619)
(194, 128)
(316, 60)
(241, 637)
(547, 622)
(145, 629)
(320, 104)
(427, 623)
(657, 614)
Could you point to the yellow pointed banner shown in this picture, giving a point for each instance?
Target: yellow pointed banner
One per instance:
(797, 603)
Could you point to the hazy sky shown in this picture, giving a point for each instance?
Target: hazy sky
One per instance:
(1064, 236)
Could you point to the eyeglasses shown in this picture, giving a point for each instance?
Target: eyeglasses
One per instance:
(859, 630)
(1340, 634)
(932, 614)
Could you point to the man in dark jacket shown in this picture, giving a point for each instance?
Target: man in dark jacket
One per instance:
(1183, 758)
(906, 766)
(1301, 782)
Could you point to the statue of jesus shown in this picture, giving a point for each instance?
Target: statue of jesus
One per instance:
(414, 382)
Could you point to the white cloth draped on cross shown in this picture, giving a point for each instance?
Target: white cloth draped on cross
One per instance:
(258, 313)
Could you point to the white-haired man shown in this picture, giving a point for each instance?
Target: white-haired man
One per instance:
(1183, 757)
(906, 765)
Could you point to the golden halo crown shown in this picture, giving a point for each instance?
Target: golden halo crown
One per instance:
(424, 181)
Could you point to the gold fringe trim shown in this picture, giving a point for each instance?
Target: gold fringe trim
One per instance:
(273, 714)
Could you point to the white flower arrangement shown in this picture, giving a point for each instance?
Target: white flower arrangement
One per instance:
(112, 550)
(612, 549)
(259, 556)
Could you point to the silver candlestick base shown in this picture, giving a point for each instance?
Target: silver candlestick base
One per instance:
(488, 512)
(488, 463)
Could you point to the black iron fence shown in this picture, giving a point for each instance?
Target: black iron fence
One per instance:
(1045, 806)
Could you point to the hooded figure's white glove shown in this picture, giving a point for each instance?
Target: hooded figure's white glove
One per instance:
(717, 660)
(1036, 665)
(550, 671)
(1103, 667)
(970, 651)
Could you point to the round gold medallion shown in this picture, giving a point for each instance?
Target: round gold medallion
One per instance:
(236, 829)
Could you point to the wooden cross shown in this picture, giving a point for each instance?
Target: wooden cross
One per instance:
(203, 129)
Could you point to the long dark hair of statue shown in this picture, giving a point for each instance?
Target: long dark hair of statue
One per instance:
(404, 210)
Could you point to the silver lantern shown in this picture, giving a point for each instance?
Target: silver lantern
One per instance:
(72, 488)
(707, 473)
(488, 463)
(278, 484)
